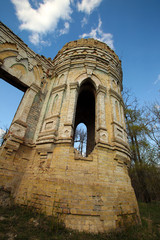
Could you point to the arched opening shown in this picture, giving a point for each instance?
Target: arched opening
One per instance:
(10, 97)
(85, 113)
(80, 139)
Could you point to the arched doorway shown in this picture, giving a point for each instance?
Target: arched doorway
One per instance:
(85, 112)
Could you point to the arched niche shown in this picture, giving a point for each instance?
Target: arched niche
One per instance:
(85, 112)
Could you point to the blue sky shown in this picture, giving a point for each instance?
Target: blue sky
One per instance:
(130, 27)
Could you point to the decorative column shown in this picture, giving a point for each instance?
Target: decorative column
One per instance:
(50, 126)
(101, 133)
(118, 124)
(122, 114)
(123, 122)
(17, 131)
(68, 126)
(26, 103)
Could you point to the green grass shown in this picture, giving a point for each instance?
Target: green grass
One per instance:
(150, 211)
(24, 223)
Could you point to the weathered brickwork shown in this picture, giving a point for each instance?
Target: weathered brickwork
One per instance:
(38, 162)
(33, 116)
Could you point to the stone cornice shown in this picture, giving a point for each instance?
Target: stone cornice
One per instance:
(74, 85)
(80, 56)
(115, 94)
(59, 88)
(102, 89)
(90, 42)
(13, 38)
(116, 73)
(35, 87)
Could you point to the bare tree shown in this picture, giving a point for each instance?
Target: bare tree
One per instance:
(80, 140)
(2, 134)
(143, 133)
(154, 124)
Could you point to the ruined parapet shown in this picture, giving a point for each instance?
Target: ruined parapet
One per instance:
(83, 84)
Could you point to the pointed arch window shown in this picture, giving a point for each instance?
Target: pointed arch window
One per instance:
(85, 113)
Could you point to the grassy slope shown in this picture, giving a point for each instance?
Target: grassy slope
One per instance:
(25, 224)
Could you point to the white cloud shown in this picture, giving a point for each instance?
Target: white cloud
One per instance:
(34, 38)
(98, 34)
(65, 30)
(88, 6)
(43, 19)
(37, 39)
(84, 21)
(157, 80)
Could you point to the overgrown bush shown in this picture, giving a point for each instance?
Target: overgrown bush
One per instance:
(145, 180)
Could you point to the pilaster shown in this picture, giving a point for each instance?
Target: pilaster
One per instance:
(101, 131)
(50, 126)
(67, 132)
(16, 133)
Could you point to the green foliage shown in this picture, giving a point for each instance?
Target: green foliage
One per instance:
(145, 181)
(24, 223)
(151, 211)
(143, 127)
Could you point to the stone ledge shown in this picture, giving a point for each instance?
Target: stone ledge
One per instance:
(78, 156)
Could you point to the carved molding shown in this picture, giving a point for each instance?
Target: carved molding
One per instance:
(113, 93)
(91, 54)
(92, 44)
(74, 85)
(102, 89)
(7, 36)
(35, 87)
(59, 88)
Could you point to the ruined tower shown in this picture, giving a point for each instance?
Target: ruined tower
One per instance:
(39, 164)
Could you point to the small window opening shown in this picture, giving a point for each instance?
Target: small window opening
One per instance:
(85, 113)
(80, 139)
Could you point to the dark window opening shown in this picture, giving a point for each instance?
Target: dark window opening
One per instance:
(85, 113)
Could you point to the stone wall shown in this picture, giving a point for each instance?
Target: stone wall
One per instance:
(38, 161)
